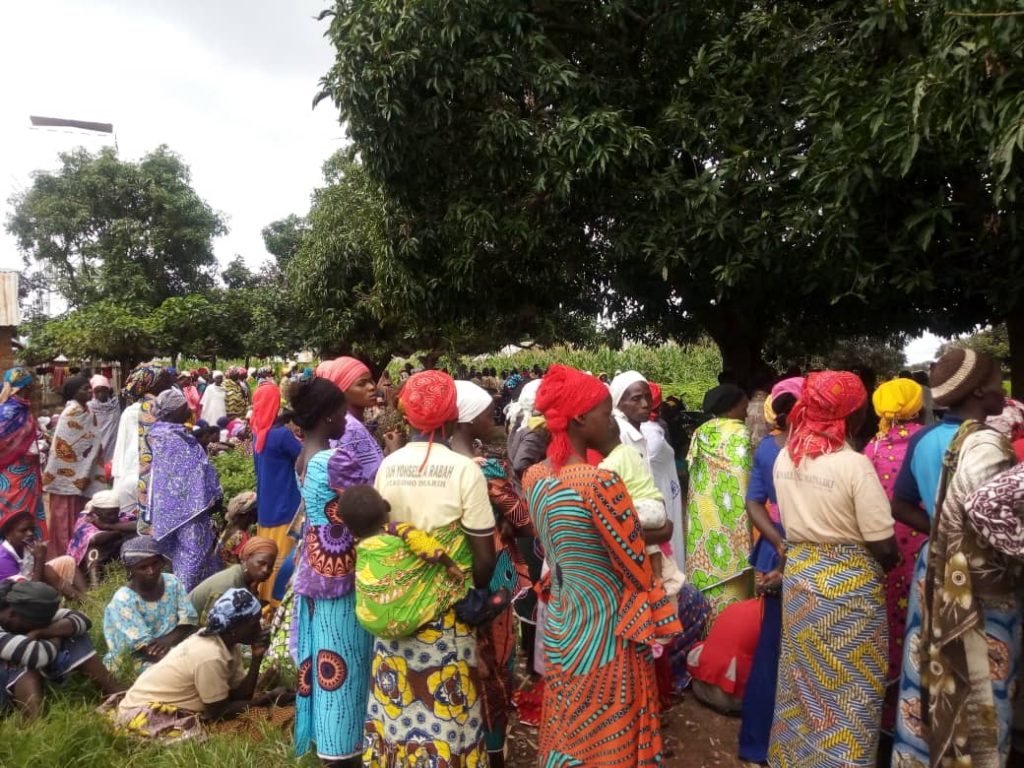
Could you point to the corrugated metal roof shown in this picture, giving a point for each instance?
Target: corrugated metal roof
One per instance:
(9, 314)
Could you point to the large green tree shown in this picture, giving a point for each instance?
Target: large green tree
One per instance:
(103, 228)
(742, 169)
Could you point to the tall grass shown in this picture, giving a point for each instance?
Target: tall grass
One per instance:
(71, 734)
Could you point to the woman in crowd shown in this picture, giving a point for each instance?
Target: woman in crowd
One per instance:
(605, 613)
(239, 519)
(150, 614)
(718, 532)
(107, 413)
(145, 384)
(23, 555)
(184, 490)
(214, 401)
(186, 383)
(106, 523)
(496, 641)
(74, 471)
(358, 455)
(897, 403)
(968, 386)
(425, 701)
(202, 686)
(763, 509)
(840, 532)
(527, 438)
(41, 641)
(275, 449)
(333, 649)
(21, 485)
(236, 401)
(661, 457)
(253, 569)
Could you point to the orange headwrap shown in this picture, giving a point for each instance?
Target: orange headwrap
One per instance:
(343, 371)
(256, 544)
(429, 400)
(564, 394)
(266, 402)
(817, 423)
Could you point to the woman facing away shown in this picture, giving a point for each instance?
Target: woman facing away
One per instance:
(21, 485)
(968, 385)
(425, 698)
(896, 403)
(74, 471)
(333, 649)
(275, 449)
(184, 490)
(828, 705)
(718, 532)
(605, 613)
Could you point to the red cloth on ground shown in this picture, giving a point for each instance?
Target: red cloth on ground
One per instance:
(725, 657)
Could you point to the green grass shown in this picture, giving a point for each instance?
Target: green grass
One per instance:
(71, 734)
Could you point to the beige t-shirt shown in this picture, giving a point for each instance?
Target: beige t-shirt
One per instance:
(449, 487)
(196, 672)
(832, 499)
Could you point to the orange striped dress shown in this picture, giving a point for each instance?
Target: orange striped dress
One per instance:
(600, 698)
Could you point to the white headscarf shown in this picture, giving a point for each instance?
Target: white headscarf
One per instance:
(472, 400)
(621, 383)
(524, 407)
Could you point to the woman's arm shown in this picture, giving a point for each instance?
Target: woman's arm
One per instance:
(758, 514)
(482, 548)
(911, 515)
(885, 552)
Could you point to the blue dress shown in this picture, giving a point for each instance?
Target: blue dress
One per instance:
(334, 649)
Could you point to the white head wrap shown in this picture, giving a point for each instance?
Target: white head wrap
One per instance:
(103, 500)
(218, 373)
(621, 383)
(524, 406)
(472, 400)
(99, 381)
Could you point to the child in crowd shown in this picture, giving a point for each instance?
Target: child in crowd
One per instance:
(404, 576)
(628, 464)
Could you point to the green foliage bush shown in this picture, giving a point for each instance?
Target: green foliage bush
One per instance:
(237, 472)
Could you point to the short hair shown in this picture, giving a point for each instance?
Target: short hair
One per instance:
(71, 387)
(363, 510)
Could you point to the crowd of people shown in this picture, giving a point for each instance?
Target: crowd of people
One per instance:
(836, 563)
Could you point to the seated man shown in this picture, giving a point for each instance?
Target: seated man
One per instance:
(202, 682)
(39, 640)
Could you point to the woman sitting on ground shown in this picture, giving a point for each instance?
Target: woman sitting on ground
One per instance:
(152, 613)
(255, 566)
(101, 530)
(23, 555)
(202, 684)
(39, 640)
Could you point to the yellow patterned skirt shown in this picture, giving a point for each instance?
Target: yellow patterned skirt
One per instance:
(828, 708)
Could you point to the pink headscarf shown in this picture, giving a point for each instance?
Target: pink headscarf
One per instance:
(99, 381)
(791, 386)
(343, 371)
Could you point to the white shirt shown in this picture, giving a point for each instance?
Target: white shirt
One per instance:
(661, 458)
(214, 404)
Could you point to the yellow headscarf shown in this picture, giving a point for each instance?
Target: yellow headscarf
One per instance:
(897, 401)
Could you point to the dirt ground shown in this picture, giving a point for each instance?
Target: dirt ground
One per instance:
(695, 737)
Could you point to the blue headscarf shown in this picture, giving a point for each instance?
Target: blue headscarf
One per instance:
(232, 608)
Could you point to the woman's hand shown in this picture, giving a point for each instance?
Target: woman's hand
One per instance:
(659, 535)
(768, 583)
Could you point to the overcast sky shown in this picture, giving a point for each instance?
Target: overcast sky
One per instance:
(226, 84)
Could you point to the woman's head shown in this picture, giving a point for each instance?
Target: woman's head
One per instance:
(831, 405)
(364, 511)
(476, 410)
(896, 402)
(143, 560)
(77, 388)
(17, 529)
(171, 406)
(27, 605)
(785, 393)
(726, 401)
(104, 505)
(631, 394)
(963, 378)
(318, 406)
(578, 410)
(235, 617)
(257, 557)
(242, 509)
(429, 401)
(352, 377)
(101, 389)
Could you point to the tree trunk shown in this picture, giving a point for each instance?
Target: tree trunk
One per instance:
(1015, 335)
(739, 341)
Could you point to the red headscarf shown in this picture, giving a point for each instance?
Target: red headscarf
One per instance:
(655, 399)
(266, 402)
(429, 400)
(817, 423)
(564, 394)
(343, 371)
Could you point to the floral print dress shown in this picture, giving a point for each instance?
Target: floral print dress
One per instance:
(718, 538)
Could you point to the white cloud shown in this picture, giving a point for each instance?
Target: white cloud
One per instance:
(225, 83)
